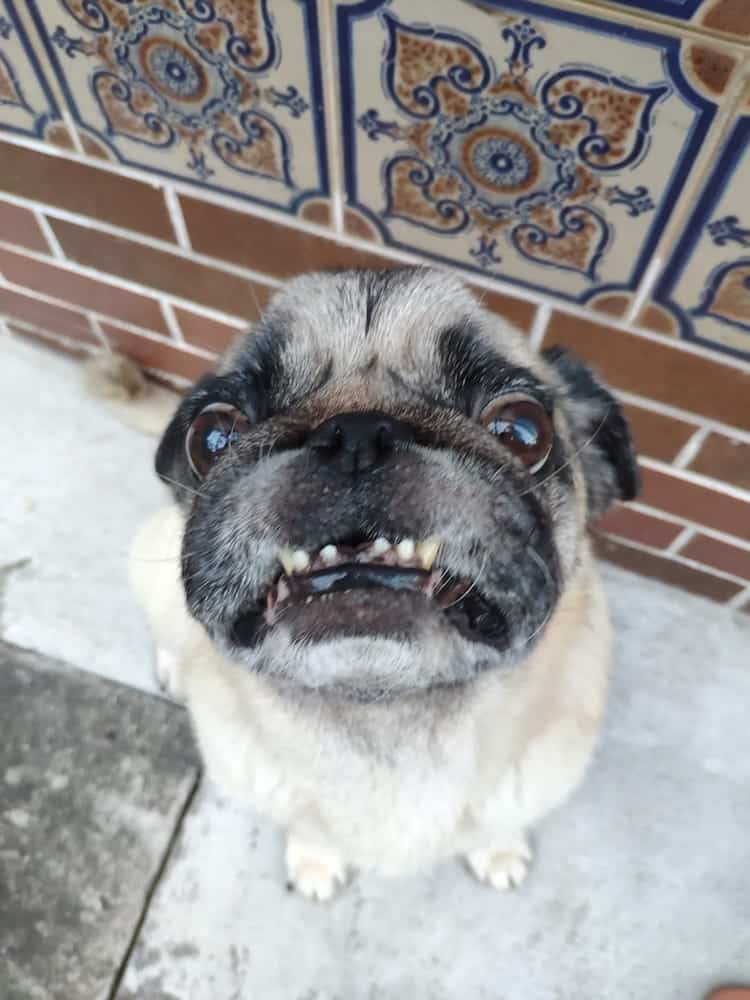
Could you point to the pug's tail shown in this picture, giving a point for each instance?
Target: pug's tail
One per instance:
(121, 385)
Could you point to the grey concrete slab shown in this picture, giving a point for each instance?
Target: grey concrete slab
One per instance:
(75, 484)
(93, 777)
(641, 887)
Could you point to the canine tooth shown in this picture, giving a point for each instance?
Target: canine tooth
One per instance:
(300, 560)
(329, 553)
(405, 549)
(427, 551)
(379, 546)
(286, 558)
(282, 591)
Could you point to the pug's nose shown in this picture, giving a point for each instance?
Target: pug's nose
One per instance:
(359, 441)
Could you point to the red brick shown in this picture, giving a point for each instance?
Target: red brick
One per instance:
(206, 333)
(665, 569)
(720, 555)
(83, 291)
(695, 503)
(56, 319)
(638, 527)
(156, 353)
(18, 226)
(78, 187)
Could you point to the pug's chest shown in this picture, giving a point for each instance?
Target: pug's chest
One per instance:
(388, 811)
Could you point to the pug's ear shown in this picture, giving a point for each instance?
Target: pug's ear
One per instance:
(600, 434)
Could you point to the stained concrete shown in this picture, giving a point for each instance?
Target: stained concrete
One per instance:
(641, 887)
(74, 484)
(93, 777)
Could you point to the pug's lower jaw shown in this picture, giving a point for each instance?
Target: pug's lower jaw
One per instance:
(375, 585)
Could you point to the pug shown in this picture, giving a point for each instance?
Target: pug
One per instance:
(374, 586)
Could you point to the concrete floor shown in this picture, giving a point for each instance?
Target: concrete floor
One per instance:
(117, 881)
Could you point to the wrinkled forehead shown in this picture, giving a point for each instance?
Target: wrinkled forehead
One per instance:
(420, 323)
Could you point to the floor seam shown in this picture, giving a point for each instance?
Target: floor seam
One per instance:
(153, 886)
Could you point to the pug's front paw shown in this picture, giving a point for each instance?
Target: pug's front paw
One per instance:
(504, 866)
(314, 870)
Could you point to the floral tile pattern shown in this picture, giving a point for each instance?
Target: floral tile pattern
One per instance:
(731, 17)
(225, 93)
(26, 104)
(533, 144)
(706, 284)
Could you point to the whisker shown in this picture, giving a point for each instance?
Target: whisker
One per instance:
(473, 585)
(569, 460)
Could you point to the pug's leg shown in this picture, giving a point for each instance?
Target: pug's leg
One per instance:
(504, 864)
(169, 672)
(315, 866)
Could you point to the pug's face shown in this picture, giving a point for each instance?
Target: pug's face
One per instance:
(386, 490)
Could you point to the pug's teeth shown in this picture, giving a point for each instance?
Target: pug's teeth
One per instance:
(405, 550)
(300, 561)
(329, 554)
(282, 591)
(427, 551)
(286, 558)
(379, 547)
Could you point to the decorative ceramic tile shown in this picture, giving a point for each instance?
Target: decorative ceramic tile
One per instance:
(706, 284)
(26, 104)
(223, 93)
(731, 17)
(520, 140)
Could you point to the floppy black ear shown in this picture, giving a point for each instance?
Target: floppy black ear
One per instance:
(600, 434)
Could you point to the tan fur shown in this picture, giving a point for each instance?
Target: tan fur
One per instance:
(515, 747)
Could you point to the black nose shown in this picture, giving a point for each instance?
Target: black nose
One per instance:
(358, 441)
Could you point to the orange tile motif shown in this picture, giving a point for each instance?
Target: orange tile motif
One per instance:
(226, 94)
(535, 143)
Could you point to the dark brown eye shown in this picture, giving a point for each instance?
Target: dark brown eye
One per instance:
(524, 426)
(215, 429)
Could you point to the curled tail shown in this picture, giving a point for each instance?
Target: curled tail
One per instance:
(126, 391)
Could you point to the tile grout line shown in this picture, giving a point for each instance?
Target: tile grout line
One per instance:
(172, 322)
(130, 286)
(539, 326)
(97, 328)
(690, 449)
(353, 242)
(644, 289)
(75, 138)
(32, 328)
(680, 542)
(739, 599)
(666, 410)
(330, 71)
(154, 884)
(177, 219)
(697, 479)
(49, 234)
(681, 560)
(104, 318)
(662, 515)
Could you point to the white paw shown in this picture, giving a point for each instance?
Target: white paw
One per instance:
(168, 672)
(315, 871)
(502, 867)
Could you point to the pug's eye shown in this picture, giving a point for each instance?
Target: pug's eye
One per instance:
(524, 426)
(215, 429)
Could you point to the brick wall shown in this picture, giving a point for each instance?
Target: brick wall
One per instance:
(97, 253)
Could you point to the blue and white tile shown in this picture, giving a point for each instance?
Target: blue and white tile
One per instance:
(225, 94)
(27, 106)
(727, 17)
(520, 140)
(706, 283)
